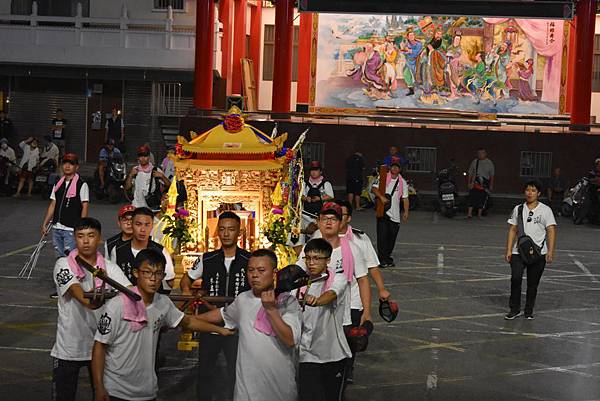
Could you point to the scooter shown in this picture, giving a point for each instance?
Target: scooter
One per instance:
(585, 202)
(114, 180)
(413, 195)
(447, 193)
(45, 179)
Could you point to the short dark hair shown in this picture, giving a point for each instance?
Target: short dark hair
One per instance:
(260, 253)
(318, 245)
(143, 211)
(230, 215)
(152, 256)
(88, 222)
(346, 204)
(533, 183)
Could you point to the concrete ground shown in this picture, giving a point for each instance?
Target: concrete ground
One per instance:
(449, 342)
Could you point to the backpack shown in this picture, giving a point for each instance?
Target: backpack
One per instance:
(154, 193)
(529, 251)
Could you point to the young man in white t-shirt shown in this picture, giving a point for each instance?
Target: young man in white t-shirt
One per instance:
(324, 349)
(387, 226)
(76, 319)
(539, 224)
(143, 178)
(124, 351)
(269, 330)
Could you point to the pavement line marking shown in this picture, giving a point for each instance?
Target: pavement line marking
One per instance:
(28, 306)
(11, 253)
(16, 277)
(583, 268)
(486, 247)
(25, 349)
(440, 260)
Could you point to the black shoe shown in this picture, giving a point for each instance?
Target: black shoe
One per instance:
(529, 316)
(512, 315)
(54, 295)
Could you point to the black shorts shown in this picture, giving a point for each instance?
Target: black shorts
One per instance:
(354, 186)
(477, 198)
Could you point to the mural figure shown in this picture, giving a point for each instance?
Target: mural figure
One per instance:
(454, 67)
(525, 74)
(411, 49)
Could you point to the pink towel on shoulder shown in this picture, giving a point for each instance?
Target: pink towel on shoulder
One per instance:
(134, 311)
(72, 191)
(79, 272)
(262, 323)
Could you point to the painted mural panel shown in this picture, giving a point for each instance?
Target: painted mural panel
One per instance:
(492, 65)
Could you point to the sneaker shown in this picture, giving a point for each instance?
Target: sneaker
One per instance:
(350, 376)
(529, 316)
(512, 315)
(54, 295)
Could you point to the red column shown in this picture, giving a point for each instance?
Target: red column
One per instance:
(304, 51)
(204, 54)
(582, 86)
(282, 71)
(572, 49)
(226, 18)
(255, 43)
(239, 44)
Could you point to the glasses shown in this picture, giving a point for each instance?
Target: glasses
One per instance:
(530, 217)
(329, 219)
(314, 259)
(151, 274)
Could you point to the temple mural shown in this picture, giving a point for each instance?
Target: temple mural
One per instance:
(490, 65)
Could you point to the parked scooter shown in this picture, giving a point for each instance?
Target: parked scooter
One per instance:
(114, 180)
(585, 200)
(447, 192)
(45, 179)
(413, 195)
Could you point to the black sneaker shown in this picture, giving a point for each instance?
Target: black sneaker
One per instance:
(54, 295)
(529, 316)
(512, 315)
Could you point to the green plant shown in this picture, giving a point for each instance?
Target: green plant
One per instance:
(176, 227)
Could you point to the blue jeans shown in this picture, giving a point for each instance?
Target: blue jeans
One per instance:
(64, 242)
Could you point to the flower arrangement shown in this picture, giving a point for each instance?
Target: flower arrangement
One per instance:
(233, 123)
(276, 227)
(176, 227)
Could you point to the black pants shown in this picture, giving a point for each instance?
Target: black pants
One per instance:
(65, 375)
(355, 315)
(534, 274)
(209, 349)
(477, 198)
(322, 381)
(387, 232)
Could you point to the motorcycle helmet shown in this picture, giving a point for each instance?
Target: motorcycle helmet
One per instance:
(358, 336)
(290, 278)
(388, 310)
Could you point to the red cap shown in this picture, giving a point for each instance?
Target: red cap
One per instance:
(143, 150)
(126, 209)
(332, 208)
(315, 165)
(70, 158)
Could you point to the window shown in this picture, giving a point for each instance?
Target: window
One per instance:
(421, 159)
(312, 151)
(164, 4)
(596, 65)
(536, 164)
(52, 8)
(269, 53)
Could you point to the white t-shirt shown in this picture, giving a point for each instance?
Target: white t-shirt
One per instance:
(129, 365)
(141, 186)
(541, 218)
(394, 211)
(30, 158)
(265, 367)
(169, 268)
(326, 189)
(323, 339)
(363, 259)
(9, 153)
(76, 323)
(84, 196)
(50, 153)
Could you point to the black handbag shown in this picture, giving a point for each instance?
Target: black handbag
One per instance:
(154, 193)
(529, 251)
(388, 205)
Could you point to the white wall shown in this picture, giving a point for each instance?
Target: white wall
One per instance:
(266, 87)
(142, 9)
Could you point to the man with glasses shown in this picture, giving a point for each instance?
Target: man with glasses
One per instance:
(540, 226)
(223, 273)
(125, 223)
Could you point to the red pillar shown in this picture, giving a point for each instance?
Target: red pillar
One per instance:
(239, 44)
(226, 18)
(282, 71)
(304, 51)
(255, 43)
(582, 86)
(572, 49)
(204, 54)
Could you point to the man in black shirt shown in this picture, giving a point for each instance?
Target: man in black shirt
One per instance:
(57, 130)
(355, 165)
(223, 273)
(115, 129)
(125, 222)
